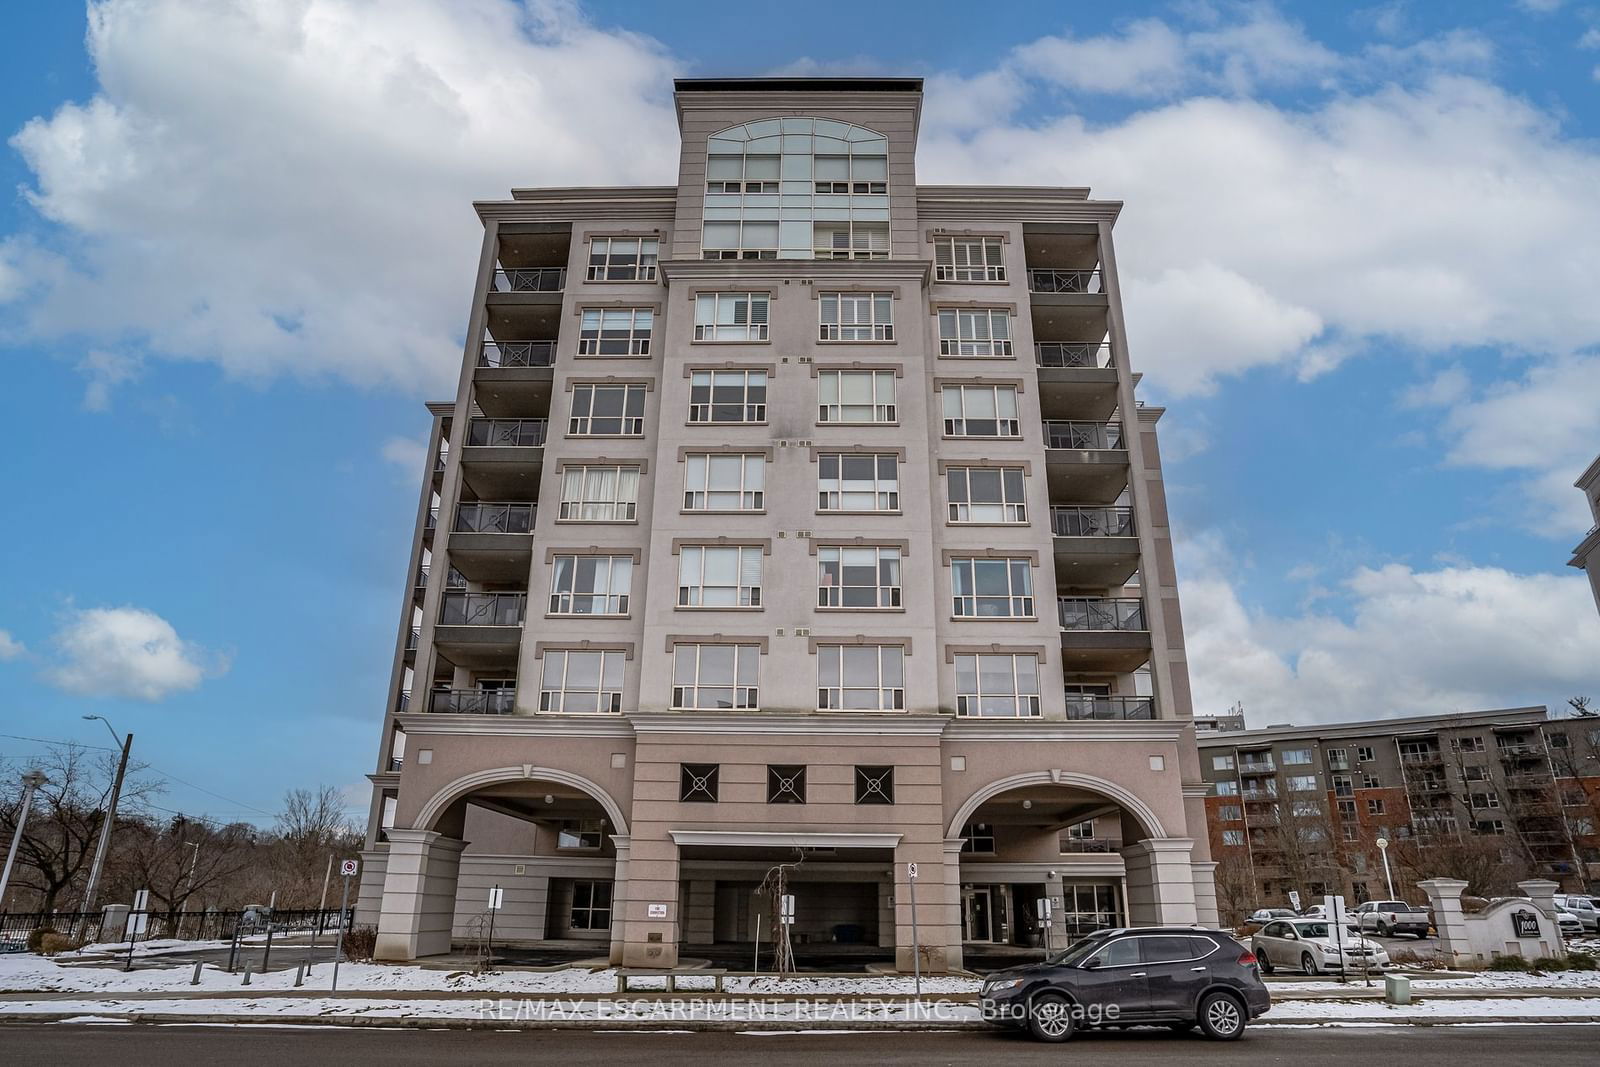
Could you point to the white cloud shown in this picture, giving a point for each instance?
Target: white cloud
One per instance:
(10, 647)
(1408, 642)
(1445, 389)
(407, 453)
(1540, 7)
(105, 370)
(127, 652)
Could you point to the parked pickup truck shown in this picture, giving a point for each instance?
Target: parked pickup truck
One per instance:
(1388, 917)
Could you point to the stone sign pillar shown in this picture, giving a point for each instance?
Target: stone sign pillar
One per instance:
(1444, 897)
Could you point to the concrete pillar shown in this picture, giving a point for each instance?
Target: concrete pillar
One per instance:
(1540, 891)
(1444, 896)
(651, 940)
(1205, 892)
(699, 913)
(951, 909)
(619, 895)
(419, 895)
(1160, 882)
(1052, 888)
(114, 922)
(886, 913)
(935, 943)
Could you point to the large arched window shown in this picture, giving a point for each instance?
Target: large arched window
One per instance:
(796, 188)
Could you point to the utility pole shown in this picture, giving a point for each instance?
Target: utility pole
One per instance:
(111, 817)
(30, 781)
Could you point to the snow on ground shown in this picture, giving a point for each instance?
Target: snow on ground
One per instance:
(1474, 981)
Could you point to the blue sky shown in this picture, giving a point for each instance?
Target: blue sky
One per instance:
(235, 252)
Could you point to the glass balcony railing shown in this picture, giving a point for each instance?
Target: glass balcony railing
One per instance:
(524, 433)
(517, 354)
(1095, 435)
(1080, 706)
(483, 609)
(1068, 521)
(495, 518)
(473, 701)
(1072, 354)
(530, 280)
(1101, 613)
(1065, 281)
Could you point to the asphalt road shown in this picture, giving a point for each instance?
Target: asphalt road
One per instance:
(130, 1046)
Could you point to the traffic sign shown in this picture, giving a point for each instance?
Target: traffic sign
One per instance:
(497, 897)
(911, 871)
(348, 867)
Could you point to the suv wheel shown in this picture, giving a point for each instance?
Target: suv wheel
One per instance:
(1050, 1017)
(1221, 1016)
(1308, 965)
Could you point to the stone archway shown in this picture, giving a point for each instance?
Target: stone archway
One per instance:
(1124, 797)
(441, 801)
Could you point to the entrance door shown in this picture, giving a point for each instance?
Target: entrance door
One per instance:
(980, 915)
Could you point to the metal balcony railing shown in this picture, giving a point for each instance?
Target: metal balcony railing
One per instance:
(1064, 281)
(1069, 521)
(432, 520)
(1119, 708)
(517, 354)
(1100, 435)
(1101, 613)
(1090, 844)
(483, 609)
(1072, 354)
(525, 433)
(1261, 794)
(530, 280)
(413, 639)
(473, 701)
(494, 518)
(1257, 766)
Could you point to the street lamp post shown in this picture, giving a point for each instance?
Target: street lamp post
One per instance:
(30, 781)
(111, 817)
(1383, 850)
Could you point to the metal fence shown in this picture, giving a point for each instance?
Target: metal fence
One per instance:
(210, 925)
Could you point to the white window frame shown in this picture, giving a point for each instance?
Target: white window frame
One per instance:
(689, 688)
(630, 425)
(1302, 783)
(1222, 763)
(889, 694)
(959, 423)
(708, 310)
(751, 412)
(885, 492)
(855, 239)
(575, 835)
(1233, 837)
(1011, 512)
(610, 500)
(1227, 789)
(646, 253)
(831, 594)
(613, 585)
(1025, 704)
(861, 318)
(953, 259)
(692, 588)
(1018, 599)
(1295, 757)
(554, 698)
(751, 491)
(615, 331)
(976, 333)
(832, 408)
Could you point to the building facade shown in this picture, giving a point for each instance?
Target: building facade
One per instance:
(794, 515)
(1302, 807)
(1586, 556)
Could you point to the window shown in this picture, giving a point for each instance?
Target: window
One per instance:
(857, 317)
(861, 678)
(786, 784)
(1489, 826)
(858, 481)
(1222, 763)
(1230, 813)
(1227, 789)
(867, 577)
(581, 682)
(852, 396)
(1336, 757)
(1557, 740)
(580, 833)
(1474, 774)
(1296, 755)
(1375, 806)
(590, 585)
(979, 838)
(607, 411)
(1484, 801)
(1123, 953)
(981, 411)
(730, 317)
(1302, 783)
(986, 494)
(1363, 753)
(615, 332)
(974, 332)
(714, 677)
(599, 494)
(995, 685)
(1343, 785)
(992, 588)
(728, 396)
(1233, 837)
(715, 576)
(1347, 808)
(623, 259)
(697, 782)
(968, 259)
(716, 482)
(851, 240)
(1370, 781)
(1469, 743)
(591, 905)
(874, 785)
(1307, 808)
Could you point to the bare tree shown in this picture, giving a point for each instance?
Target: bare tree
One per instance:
(1236, 888)
(183, 860)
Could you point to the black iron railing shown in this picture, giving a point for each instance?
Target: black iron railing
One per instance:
(1101, 613)
(1080, 706)
(1069, 521)
(525, 433)
(1092, 354)
(1065, 281)
(530, 280)
(1090, 435)
(517, 354)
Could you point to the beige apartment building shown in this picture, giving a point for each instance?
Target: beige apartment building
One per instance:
(1586, 556)
(794, 514)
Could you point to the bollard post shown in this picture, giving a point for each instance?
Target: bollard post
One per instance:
(267, 955)
(299, 975)
(246, 972)
(195, 979)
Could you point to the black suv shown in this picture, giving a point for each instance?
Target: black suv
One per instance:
(1176, 976)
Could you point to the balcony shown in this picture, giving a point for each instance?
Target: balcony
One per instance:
(1085, 461)
(1103, 633)
(492, 542)
(1110, 708)
(1095, 547)
(481, 630)
(1520, 753)
(1054, 282)
(1077, 379)
(513, 378)
(1257, 766)
(529, 280)
(1422, 759)
(472, 701)
(503, 458)
(1079, 845)
(1267, 793)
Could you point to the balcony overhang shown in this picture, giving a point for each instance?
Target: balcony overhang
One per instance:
(1086, 475)
(1113, 651)
(479, 647)
(1056, 320)
(502, 472)
(1085, 394)
(1095, 563)
(513, 392)
(492, 557)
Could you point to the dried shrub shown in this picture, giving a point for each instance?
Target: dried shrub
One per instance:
(36, 937)
(1507, 963)
(359, 942)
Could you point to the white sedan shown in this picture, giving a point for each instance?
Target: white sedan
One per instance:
(1308, 944)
